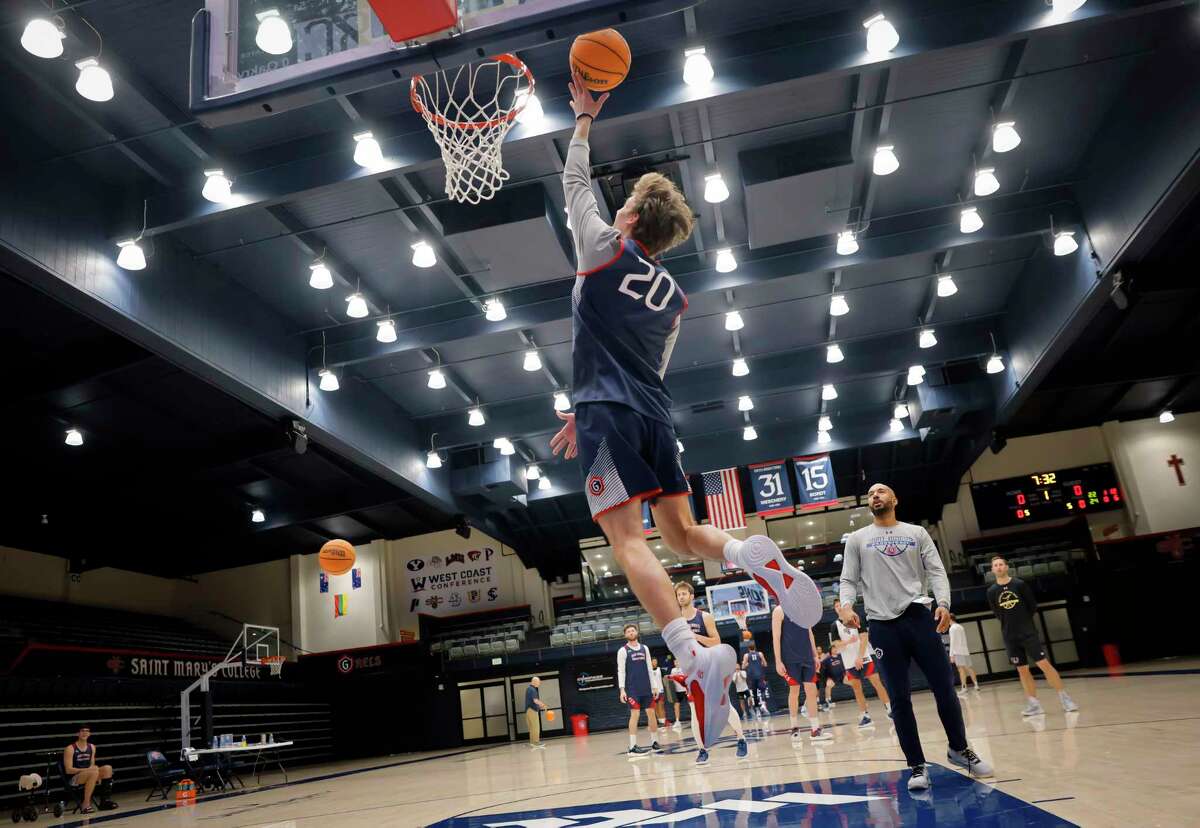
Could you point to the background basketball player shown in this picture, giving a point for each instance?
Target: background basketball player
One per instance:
(626, 310)
(637, 689)
(960, 655)
(796, 663)
(860, 664)
(755, 665)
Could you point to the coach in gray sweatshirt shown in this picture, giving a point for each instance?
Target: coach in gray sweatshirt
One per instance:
(897, 565)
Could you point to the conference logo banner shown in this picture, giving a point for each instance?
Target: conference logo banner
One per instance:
(817, 486)
(460, 582)
(772, 490)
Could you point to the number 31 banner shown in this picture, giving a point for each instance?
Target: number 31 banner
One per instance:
(817, 487)
(772, 493)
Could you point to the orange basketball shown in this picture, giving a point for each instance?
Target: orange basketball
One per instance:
(602, 58)
(746, 634)
(549, 715)
(336, 557)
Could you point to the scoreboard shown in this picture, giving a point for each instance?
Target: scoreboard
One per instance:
(1046, 495)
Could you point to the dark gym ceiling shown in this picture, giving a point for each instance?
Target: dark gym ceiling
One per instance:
(184, 376)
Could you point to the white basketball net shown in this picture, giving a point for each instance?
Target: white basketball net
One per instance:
(276, 665)
(470, 110)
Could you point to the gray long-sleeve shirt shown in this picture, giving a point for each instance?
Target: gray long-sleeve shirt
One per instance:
(896, 565)
(596, 241)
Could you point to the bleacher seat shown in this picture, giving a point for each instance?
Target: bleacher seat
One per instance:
(573, 637)
(645, 627)
(456, 652)
(1025, 571)
(1040, 569)
(1058, 567)
(989, 577)
(558, 640)
(512, 645)
(587, 635)
(470, 650)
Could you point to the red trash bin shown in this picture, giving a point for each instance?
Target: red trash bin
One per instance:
(579, 724)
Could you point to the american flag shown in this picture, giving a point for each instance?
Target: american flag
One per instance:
(723, 497)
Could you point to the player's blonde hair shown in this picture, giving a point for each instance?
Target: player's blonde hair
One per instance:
(684, 585)
(664, 217)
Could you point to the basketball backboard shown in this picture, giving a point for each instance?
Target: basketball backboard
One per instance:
(259, 643)
(340, 47)
(747, 595)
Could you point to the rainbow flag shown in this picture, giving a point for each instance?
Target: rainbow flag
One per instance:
(339, 605)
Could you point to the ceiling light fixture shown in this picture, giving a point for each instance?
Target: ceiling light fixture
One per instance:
(733, 321)
(749, 433)
(530, 112)
(131, 255)
(726, 262)
(824, 423)
(995, 364)
(885, 162)
(833, 353)
(882, 36)
(1005, 137)
(986, 182)
(1065, 7)
(970, 220)
(697, 70)
(926, 339)
(740, 367)
(745, 403)
(217, 187)
(1166, 416)
(505, 445)
(543, 484)
(823, 438)
(367, 152)
(475, 417)
(1064, 243)
(561, 401)
(828, 393)
(74, 437)
(679, 445)
(437, 380)
(329, 380)
(946, 286)
(386, 332)
(319, 276)
(94, 82)
(356, 306)
(423, 254)
(532, 362)
(895, 426)
(715, 190)
(532, 472)
(847, 243)
(838, 306)
(273, 36)
(258, 516)
(43, 38)
(493, 311)
(916, 375)
(433, 460)
(900, 412)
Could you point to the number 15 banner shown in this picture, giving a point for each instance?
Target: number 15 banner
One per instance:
(772, 492)
(817, 487)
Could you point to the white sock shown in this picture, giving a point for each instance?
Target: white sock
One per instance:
(733, 552)
(814, 724)
(1033, 700)
(681, 641)
(632, 740)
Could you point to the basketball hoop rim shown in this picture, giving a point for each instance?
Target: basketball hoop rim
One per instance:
(509, 58)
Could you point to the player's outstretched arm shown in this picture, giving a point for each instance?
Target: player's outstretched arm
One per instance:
(595, 240)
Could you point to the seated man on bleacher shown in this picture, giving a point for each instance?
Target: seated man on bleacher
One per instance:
(79, 763)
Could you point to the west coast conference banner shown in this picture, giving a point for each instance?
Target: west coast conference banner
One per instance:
(455, 583)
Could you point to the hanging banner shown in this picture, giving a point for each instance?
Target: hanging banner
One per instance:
(467, 581)
(815, 476)
(772, 490)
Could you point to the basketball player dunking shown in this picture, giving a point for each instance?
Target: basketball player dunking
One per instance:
(626, 313)
(705, 630)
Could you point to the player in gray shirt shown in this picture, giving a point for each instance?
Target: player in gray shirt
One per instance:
(897, 565)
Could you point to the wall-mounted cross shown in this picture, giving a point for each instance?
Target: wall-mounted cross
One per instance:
(1177, 464)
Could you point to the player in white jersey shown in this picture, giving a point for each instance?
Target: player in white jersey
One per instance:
(859, 659)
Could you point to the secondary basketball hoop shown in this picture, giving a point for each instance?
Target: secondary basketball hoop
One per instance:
(275, 663)
(470, 110)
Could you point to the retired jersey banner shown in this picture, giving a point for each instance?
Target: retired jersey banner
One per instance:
(815, 476)
(458, 582)
(772, 490)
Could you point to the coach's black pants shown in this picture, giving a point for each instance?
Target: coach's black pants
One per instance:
(912, 636)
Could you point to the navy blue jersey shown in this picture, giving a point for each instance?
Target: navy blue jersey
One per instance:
(794, 644)
(754, 666)
(625, 316)
(82, 758)
(697, 623)
(635, 667)
(833, 667)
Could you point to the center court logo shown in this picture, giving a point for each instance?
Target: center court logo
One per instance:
(892, 545)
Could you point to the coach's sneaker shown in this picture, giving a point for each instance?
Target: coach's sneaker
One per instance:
(702, 757)
(820, 735)
(888, 708)
(967, 758)
(708, 680)
(865, 721)
(790, 587)
(919, 780)
(1033, 707)
(1068, 703)
(741, 749)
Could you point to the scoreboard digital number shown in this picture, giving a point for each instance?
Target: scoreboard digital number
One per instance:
(1046, 495)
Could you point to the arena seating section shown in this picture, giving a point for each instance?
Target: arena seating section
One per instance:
(130, 716)
(493, 639)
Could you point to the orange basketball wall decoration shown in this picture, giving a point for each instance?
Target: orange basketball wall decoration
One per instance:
(336, 557)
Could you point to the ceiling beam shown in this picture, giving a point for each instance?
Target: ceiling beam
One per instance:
(811, 257)
(830, 46)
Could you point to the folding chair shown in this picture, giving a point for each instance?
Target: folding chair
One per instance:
(162, 773)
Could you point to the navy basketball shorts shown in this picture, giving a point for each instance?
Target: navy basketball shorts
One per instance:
(640, 702)
(798, 674)
(1025, 650)
(625, 456)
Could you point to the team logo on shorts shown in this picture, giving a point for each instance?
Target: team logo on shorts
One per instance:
(878, 653)
(1014, 660)
(595, 485)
